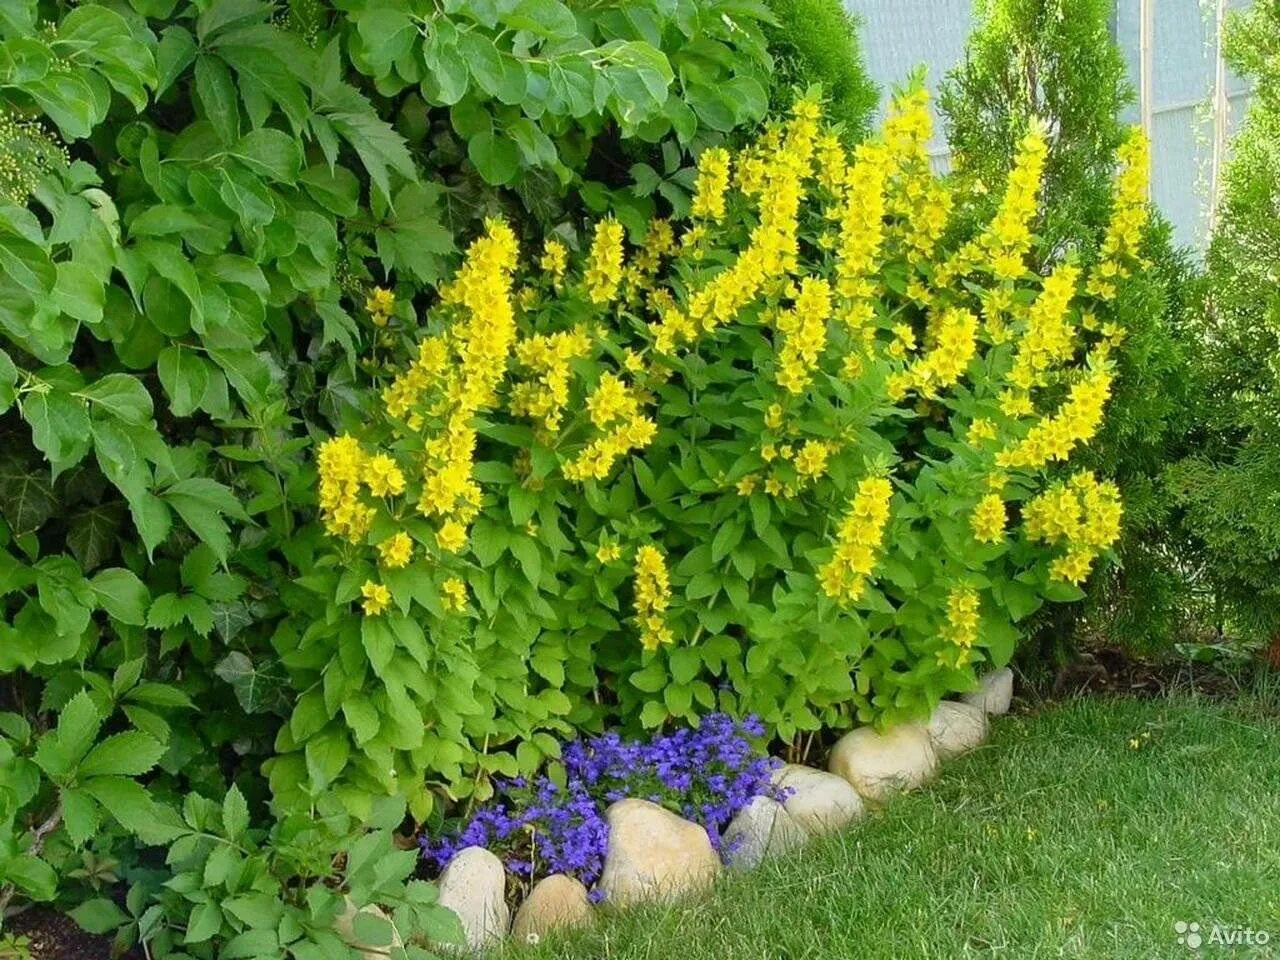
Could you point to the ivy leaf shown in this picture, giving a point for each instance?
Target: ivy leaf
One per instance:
(257, 690)
(26, 495)
(91, 532)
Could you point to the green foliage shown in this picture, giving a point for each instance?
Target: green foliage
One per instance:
(1057, 62)
(197, 200)
(1225, 486)
(816, 42)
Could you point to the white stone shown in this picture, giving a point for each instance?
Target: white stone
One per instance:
(473, 886)
(957, 728)
(556, 901)
(995, 693)
(880, 764)
(654, 854)
(762, 828)
(345, 924)
(818, 802)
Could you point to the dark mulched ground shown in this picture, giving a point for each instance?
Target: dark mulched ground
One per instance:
(54, 936)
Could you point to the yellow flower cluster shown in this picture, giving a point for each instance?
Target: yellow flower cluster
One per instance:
(954, 342)
(712, 184)
(402, 395)
(376, 598)
(804, 328)
(380, 304)
(961, 628)
(653, 596)
(1008, 237)
(659, 242)
(920, 203)
(772, 248)
(547, 356)
(554, 260)
(604, 263)
(613, 406)
(396, 551)
(1128, 216)
(1049, 339)
(861, 233)
(989, 519)
(1084, 514)
(858, 541)
(453, 594)
(1075, 422)
(608, 552)
(341, 464)
(482, 342)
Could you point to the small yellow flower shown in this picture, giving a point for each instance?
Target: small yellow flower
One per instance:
(773, 416)
(608, 552)
(452, 536)
(396, 551)
(747, 485)
(453, 594)
(376, 598)
(380, 304)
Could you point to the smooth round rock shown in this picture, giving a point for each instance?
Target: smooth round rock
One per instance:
(994, 693)
(654, 855)
(957, 728)
(880, 764)
(761, 829)
(473, 886)
(818, 802)
(556, 902)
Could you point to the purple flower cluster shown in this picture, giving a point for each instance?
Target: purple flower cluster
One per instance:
(539, 827)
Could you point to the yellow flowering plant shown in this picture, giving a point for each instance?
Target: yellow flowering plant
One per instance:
(805, 454)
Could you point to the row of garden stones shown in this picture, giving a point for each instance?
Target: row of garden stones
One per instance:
(655, 854)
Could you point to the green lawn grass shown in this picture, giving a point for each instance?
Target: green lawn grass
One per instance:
(1086, 829)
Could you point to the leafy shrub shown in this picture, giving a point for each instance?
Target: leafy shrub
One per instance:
(1045, 61)
(1226, 484)
(201, 205)
(542, 826)
(816, 42)
(785, 445)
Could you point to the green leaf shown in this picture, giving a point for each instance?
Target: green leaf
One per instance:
(336, 189)
(128, 754)
(496, 158)
(235, 814)
(327, 753)
(201, 503)
(184, 374)
(362, 718)
(120, 395)
(99, 915)
(128, 802)
(59, 425)
(205, 921)
(31, 875)
(77, 728)
(270, 153)
(122, 595)
(79, 292)
(80, 814)
(216, 91)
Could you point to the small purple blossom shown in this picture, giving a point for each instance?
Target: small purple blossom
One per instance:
(539, 827)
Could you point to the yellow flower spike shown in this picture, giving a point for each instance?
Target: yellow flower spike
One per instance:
(843, 577)
(709, 189)
(961, 628)
(603, 274)
(554, 260)
(652, 597)
(376, 598)
(989, 519)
